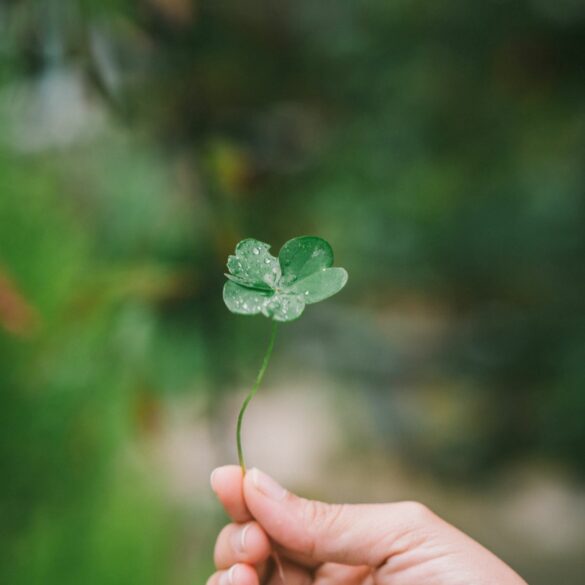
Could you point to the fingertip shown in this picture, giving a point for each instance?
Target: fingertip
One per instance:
(238, 543)
(243, 574)
(224, 476)
(256, 542)
(239, 574)
(226, 482)
(262, 483)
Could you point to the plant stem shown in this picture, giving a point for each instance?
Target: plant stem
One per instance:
(252, 393)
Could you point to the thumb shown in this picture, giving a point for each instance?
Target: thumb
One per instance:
(364, 534)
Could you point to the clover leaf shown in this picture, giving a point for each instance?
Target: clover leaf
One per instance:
(280, 288)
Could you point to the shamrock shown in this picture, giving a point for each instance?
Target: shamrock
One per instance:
(280, 288)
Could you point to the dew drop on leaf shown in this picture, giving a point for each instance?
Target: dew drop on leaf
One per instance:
(279, 288)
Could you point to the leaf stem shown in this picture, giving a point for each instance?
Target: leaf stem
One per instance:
(252, 393)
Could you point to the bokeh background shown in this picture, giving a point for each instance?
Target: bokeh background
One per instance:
(438, 145)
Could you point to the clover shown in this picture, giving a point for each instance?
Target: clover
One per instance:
(278, 288)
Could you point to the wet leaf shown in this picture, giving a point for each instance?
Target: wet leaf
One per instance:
(243, 300)
(281, 288)
(301, 257)
(320, 285)
(284, 307)
(253, 265)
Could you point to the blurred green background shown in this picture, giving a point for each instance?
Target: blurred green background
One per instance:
(438, 145)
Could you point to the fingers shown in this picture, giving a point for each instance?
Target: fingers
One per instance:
(237, 575)
(293, 575)
(227, 483)
(351, 535)
(241, 543)
(244, 574)
(348, 575)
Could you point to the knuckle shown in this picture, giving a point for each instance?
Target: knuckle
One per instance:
(415, 524)
(320, 518)
(314, 514)
(334, 522)
(417, 513)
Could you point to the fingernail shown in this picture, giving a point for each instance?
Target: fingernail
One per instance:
(228, 578)
(211, 479)
(239, 539)
(267, 485)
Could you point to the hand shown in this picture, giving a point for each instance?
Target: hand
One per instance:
(323, 544)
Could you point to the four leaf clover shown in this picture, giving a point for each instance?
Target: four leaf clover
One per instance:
(279, 288)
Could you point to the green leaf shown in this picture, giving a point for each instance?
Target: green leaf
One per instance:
(248, 283)
(243, 300)
(320, 285)
(253, 266)
(303, 256)
(284, 307)
(280, 289)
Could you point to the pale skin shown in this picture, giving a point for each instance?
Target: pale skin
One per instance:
(315, 543)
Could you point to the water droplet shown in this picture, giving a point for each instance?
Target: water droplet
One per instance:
(267, 261)
(306, 292)
(255, 251)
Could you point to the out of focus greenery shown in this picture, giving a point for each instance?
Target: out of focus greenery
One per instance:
(440, 147)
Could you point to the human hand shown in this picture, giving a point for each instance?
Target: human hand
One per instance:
(323, 544)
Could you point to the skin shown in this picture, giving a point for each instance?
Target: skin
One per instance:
(323, 544)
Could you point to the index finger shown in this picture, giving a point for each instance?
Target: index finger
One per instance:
(227, 483)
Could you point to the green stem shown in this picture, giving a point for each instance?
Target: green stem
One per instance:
(252, 393)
